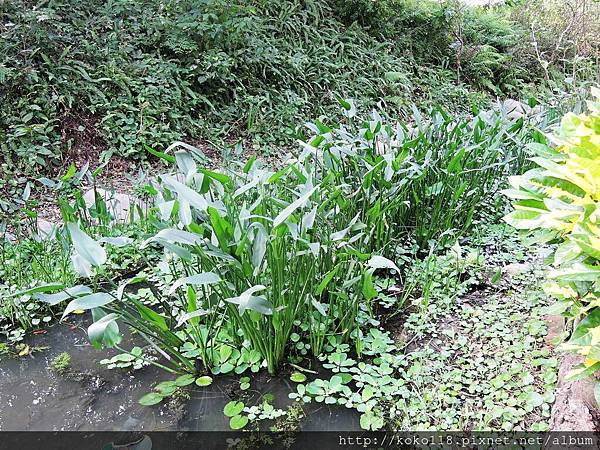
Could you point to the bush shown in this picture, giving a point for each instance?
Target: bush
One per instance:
(560, 200)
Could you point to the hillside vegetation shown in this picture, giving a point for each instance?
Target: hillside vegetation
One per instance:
(118, 74)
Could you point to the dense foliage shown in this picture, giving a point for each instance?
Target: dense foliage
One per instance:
(365, 256)
(106, 77)
(232, 237)
(561, 198)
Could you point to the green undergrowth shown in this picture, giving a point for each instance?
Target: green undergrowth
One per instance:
(39, 256)
(471, 357)
(96, 79)
(359, 199)
(381, 224)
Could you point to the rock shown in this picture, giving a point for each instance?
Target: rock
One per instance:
(515, 109)
(118, 204)
(555, 326)
(514, 269)
(575, 407)
(45, 229)
(9, 237)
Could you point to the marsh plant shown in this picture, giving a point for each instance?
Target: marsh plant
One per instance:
(424, 179)
(258, 258)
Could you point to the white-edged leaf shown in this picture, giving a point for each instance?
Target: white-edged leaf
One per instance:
(81, 266)
(166, 209)
(185, 317)
(259, 245)
(185, 162)
(54, 299)
(249, 301)
(174, 235)
(185, 193)
(289, 210)
(41, 288)
(379, 262)
(105, 331)
(120, 241)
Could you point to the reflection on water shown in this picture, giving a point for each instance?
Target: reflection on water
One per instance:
(34, 398)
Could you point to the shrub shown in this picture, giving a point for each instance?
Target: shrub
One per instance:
(560, 200)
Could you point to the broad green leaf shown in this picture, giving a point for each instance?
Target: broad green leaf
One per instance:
(151, 316)
(54, 299)
(86, 247)
(582, 333)
(220, 177)
(298, 377)
(233, 408)
(161, 155)
(88, 302)
(326, 280)
(48, 287)
(368, 288)
(152, 398)
(184, 192)
(184, 380)
(105, 331)
(238, 422)
(204, 381)
(577, 272)
(200, 279)
(249, 301)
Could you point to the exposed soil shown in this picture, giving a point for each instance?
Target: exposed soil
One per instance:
(575, 407)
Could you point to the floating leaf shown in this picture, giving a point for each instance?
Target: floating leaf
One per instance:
(233, 408)
(204, 381)
(238, 422)
(298, 377)
(150, 399)
(185, 380)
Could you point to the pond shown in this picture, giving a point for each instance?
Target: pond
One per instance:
(33, 397)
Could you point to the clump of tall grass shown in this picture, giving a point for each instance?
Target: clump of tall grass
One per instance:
(255, 255)
(424, 180)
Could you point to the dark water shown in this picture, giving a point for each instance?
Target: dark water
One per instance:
(92, 398)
